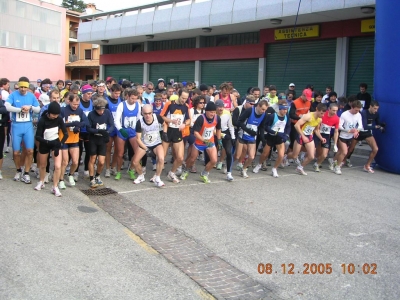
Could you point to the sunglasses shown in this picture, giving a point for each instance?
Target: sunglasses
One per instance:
(201, 102)
(148, 113)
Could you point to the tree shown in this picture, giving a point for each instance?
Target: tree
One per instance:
(75, 5)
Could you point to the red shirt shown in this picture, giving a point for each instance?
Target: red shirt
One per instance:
(329, 123)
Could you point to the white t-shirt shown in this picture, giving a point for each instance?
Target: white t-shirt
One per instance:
(4, 95)
(349, 121)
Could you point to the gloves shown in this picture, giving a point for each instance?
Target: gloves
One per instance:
(76, 129)
(56, 152)
(233, 142)
(124, 133)
(208, 143)
(219, 144)
(335, 148)
(103, 132)
(251, 132)
(73, 124)
(54, 144)
(164, 137)
(150, 153)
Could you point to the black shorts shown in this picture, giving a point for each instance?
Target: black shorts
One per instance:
(346, 141)
(84, 136)
(44, 148)
(327, 137)
(174, 135)
(364, 135)
(245, 142)
(97, 147)
(153, 147)
(273, 140)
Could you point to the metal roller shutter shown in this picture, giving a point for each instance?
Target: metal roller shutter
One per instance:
(360, 64)
(242, 73)
(177, 71)
(311, 62)
(133, 72)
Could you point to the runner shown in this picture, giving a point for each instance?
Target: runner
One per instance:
(305, 127)
(3, 129)
(277, 126)
(101, 124)
(150, 144)
(49, 125)
(230, 101)
(203, 129)
(22, 104)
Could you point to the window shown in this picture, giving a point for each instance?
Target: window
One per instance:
(73, 50)
(42, 45)
(3, 6)
(232, 39)
(174, 44)
(88, 54)
(20, 41)
(4, 38)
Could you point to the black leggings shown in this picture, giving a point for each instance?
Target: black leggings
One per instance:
(8, 134)
(227, 144)
(85, 144)
(2, 138)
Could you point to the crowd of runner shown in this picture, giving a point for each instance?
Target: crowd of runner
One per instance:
(53, 129)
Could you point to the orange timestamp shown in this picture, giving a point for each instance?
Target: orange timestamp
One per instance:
(320, 268)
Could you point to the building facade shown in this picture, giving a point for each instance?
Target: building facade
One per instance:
(248, 42)
(32, 40)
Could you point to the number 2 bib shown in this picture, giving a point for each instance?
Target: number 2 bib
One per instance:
(150, 137)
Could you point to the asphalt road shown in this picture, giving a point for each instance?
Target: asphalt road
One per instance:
(51, 249)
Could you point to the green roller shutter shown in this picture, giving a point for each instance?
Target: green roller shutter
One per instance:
(133, 72)
(242, 73)
(179, 72)
(311, 62)
(361, 64)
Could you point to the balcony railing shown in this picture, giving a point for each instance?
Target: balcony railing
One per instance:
(73, 34)
(73, 57)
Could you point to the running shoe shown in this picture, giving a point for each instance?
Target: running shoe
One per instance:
(219, 166)
(33, 167)
(297, 161)
(257, 168)
(39, 186)
(178, 171)
(1, 176)
(316, 167)
(184, 174)
(61, 185)
(274, 173)
(17, 176)
(268, 162)
(131, 174)
(118, 176)
(26, 178)
(93, 183)
(337, 170)
(46, 178)
(86, 174)
(244, 173)
(71, 180)
(204, 177)
(56, 192)
(368, 169)
(159, 183)
(139, 179)
(153, 179)
(239, 167)
(76, 176)
(98, 181)
(264, 166)
(229, 176)
(107, 174)
(348, 163)
(173, 177)
(300, 170)
(7, 150)
(113, 171)
(285, 162)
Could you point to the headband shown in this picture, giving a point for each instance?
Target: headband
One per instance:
(283, 107)
(23, 84)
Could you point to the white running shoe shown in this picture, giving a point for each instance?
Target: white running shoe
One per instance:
(348, 163)
(300, 170)
(39, 186)
(274, 173)
(337, 170)
(17, 176)
(1, 176)
(257, 168)
(159, 183)
(178, 171)
(56, 191)
(61, 185)
(46, 178)
(316, 167)
(244, 173)
(107, 174)
(33, 167)
(153, 179)
(331, 164)
(297, 161)
(113, 171)
(76, 176)
(139, 179)
(229, 176)
(86, 174)
(239, 167)
(71, 180)
(26, 178)
(173, 177)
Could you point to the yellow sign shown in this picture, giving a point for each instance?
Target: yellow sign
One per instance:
(368, 25)
(300, 32)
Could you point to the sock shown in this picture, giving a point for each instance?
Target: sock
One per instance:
(91, 178)
(26, 173)
(19, 170)
(97, 174)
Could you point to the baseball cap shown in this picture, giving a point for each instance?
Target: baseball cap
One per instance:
(68, 82)
(292, 84)
(44, 99)
(173, 98)
(219, 103)
(39, 80)
(308, 94)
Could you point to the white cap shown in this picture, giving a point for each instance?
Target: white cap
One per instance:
(44, 99)
(292, 84)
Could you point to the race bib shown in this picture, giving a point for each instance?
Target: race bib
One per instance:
(23, 116)
(130, 122)
(150, 137)
(308, 130)
(51, 134)
(101, 126)
(176, 117)
(86, 113)
(252, 127)
(73, 118)
(325, 129)
(208, 133)
(279, 126)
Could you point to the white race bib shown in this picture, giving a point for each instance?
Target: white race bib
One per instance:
(176, 117)
(308, 130)
(86, 112)
(252, 127)
(150, 137)
(130, 122)
(73, 118)
(208, 133)
(279, 126)
(325, 129)
(51, 134)
(101, 126)
(23, 117)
